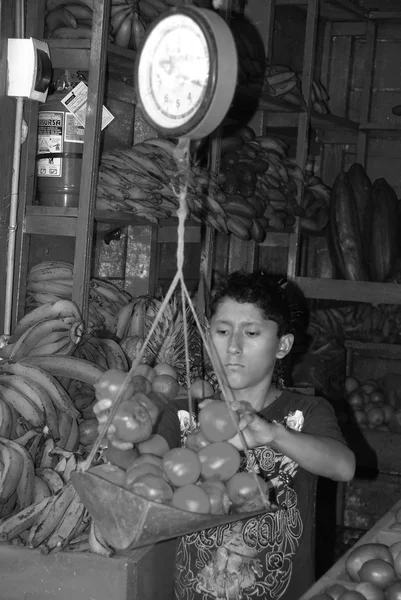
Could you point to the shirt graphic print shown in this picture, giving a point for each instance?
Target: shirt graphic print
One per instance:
(251, 558)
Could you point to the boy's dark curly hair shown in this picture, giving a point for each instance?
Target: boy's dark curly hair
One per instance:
(258, 288)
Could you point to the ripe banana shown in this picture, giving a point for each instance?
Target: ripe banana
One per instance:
(44, 457)
(42, 490)
(6, 420)
(53, 480)
(22, 520)
(58, 309)
(237, 227)
(51, 272)
(138, 32)
(51, 516)
(51, 4)
(97, 543)
(55, 390)
(80, 11)
(68, 33)
(9, 506)
(61, 288)
(36, 333)
(38, 395)
(59, 17)
(11, 471)
(69, 524)
(118, 17)
(123, 318)
(26, 483)
(24, 406)
(65, 424)
(114, 354)
(66, 366)
(72, 443)
(122, 36)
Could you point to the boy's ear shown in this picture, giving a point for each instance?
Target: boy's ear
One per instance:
(285, 345)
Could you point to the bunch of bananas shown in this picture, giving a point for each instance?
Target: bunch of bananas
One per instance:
(144, 180)
(72, 19)
(40, 446)
(49, 281)
(316, 203)
(281, 81)
(261, 185)
(69, 19)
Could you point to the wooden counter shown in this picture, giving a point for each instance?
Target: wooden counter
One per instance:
(142, 574)
(382, 532)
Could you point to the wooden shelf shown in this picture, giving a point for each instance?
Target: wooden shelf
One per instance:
(333, 10)
(74, 54)
(350, 291)
(45, 220)
(318, 121)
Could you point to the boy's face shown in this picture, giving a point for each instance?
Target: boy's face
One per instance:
(246, 344)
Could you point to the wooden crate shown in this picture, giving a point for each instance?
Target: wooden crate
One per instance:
(141, 574)
(382, 532)
(372, 361)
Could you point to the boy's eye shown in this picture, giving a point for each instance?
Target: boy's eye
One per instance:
(252, 333)
(222, 331)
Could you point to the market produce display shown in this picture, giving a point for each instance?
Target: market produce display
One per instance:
(364, 227)
(360, 322)
(372, 404)
(256, 188)
(372, 571)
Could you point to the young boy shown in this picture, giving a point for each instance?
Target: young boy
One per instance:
(293, 437)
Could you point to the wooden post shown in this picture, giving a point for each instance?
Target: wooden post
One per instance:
(304, 122)
(367, 91)
(90, 158)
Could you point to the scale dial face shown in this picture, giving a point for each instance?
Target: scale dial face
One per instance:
(174, 71)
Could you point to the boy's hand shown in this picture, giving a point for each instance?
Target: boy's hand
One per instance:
(256, 431)
(102, 410)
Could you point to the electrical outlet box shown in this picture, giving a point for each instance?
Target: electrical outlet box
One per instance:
(29, 69)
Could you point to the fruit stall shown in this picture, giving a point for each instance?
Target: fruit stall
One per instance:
(298, 175)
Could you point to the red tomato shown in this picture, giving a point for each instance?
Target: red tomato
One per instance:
(109, 384)
(152, 487)
(393, 592)
(132, 422)
(121, 458)
(352, 595)
(335, 591)
(218, 497)
(370, 591)
(196, 440)
(150, 406)
(243, 491)
(110, 472)
(216, 422)
(220, 459)
(135, 472)
(191, 498)
(181, 466)
(377, 571)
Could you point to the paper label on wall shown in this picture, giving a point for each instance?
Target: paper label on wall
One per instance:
(73, 131)
(76, 102)
(50, 141)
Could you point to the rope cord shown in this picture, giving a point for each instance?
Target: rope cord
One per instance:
(182, 156)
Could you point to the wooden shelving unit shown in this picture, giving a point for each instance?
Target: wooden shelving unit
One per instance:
(343, 17)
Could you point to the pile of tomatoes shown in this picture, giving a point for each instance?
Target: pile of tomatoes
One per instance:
(374, 570)
(202, 477)
(372, 406)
